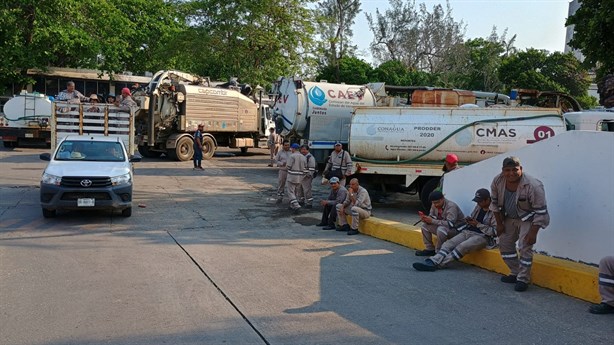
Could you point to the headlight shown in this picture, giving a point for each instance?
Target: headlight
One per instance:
(51, 179)
(121, 179)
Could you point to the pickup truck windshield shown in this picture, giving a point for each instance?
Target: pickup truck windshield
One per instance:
(97, 151)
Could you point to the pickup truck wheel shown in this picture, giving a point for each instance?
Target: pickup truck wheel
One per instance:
(427, 188)
(244, 150)
(127, 212)
(183, 151)
(48, 213)
(209, 148)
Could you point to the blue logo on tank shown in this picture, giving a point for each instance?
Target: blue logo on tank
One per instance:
(317, 96)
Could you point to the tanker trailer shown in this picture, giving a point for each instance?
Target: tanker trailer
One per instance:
(26, 120)
(172, 108)
(405, 145)
(317, 114)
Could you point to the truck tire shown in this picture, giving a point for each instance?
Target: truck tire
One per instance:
(9, 144)
(183, 151)
(209, 147)
(127, 212)
(427, 188)
(244, 150)
(146, 152)
(47, 213)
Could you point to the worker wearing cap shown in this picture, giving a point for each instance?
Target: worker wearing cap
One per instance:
(478, 231)
(127, 100)
(441, 221)
(198, 148)
(296, 172)
(339, 163)
(337, 195)
(519, 205)
(606, 287)
(281, 160)
(450, 163)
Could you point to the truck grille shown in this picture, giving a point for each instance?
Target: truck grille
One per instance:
(75, 182)
(75, 196)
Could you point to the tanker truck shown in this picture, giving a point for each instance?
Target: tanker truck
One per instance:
(317, 113)
(175, 103)
(406, 146)
(26, 120)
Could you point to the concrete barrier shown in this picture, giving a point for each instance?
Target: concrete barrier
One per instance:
(571, 278)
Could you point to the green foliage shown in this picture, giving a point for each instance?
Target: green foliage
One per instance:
(395, 73)
(593, 34)
(351, 71)
(536, 69)
(254, 40)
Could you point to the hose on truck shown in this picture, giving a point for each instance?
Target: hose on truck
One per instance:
(413, 160)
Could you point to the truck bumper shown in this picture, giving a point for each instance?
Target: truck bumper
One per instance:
(110, 198)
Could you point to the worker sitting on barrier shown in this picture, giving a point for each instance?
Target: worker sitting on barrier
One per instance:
(477, 232)
(444, 214)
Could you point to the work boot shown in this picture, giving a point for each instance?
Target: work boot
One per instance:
(521, 286)
(426, 252)
(329, 227)
(510, 279)
(344, 227)
(353, 232)
(321, 224)
(601, 308)
(427, 266)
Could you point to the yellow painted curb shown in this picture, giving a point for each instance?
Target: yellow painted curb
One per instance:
(571, 278)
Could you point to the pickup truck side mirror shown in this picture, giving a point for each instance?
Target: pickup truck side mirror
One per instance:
(45, 156)
(133, 158)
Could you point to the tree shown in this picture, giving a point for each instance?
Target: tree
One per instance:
(393, 72)
(351, 71)
(392, 30)
(254, 40)
(593, 28)
(335, 20)
(71, 33)
(536, 69)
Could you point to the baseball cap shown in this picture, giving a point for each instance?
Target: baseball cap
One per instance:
(435, 195)
(126, 91)
(451, 158)
(511, 161)
(334, 179)
(295, 146)
(338, 144)
(481, 195)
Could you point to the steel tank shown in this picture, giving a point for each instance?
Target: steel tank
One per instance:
(297, 100)
(27, 110)
(428, 134)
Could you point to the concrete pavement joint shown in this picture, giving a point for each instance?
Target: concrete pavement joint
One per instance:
(202, 270)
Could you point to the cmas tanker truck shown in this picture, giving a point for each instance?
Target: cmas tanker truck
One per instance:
(317, 113)
(175, 103)
(26, 120)
(406, 145)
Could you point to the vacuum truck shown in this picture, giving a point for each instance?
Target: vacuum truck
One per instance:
(175, 103)
(317, 113)
(406, 145)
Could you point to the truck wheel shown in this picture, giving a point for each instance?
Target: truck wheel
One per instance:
(48, 213)
(127, 212)
(427, 188)
(9, 144)
(183, 151)
(146, 152)
(209, 148)
(244, 150)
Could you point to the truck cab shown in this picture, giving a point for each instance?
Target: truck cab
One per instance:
(87, 172)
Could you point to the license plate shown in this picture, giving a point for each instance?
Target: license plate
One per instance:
(29, 135)
(86, 202)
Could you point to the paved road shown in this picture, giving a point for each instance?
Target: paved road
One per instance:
(211, 259)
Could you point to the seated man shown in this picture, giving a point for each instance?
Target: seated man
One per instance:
(358, 204)
(444, 214)
(337, 195)
(606, 287)
(477, 233)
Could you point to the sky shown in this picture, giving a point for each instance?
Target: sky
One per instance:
(538, 24)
